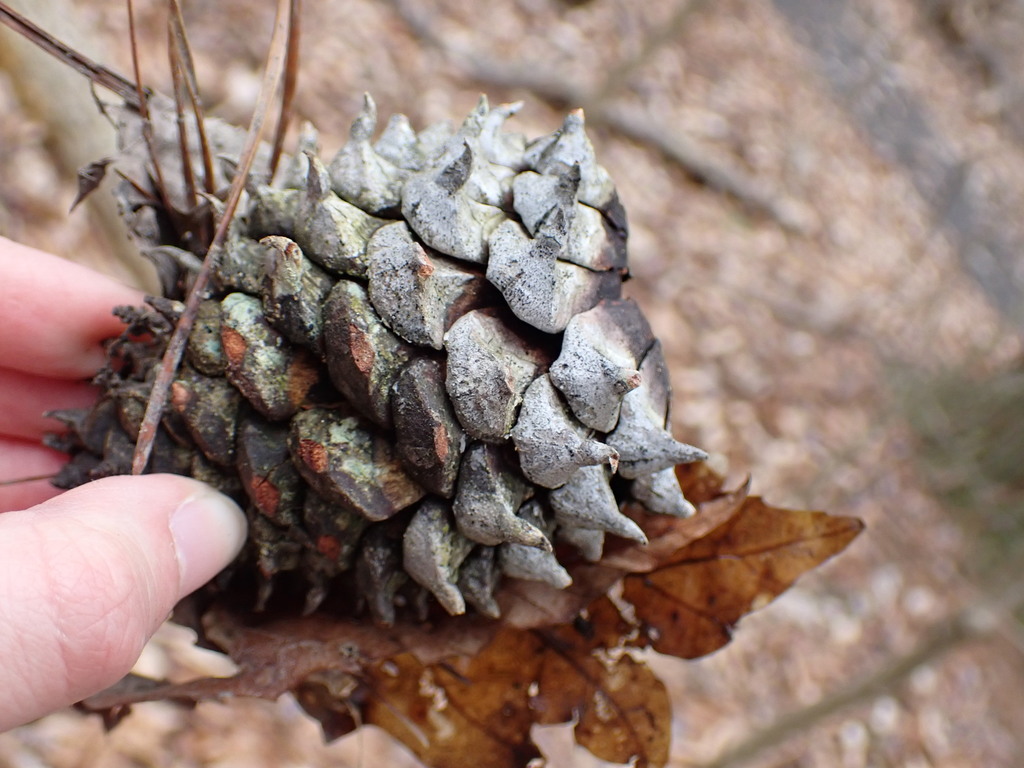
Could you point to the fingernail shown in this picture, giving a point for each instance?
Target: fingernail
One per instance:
(209, 530)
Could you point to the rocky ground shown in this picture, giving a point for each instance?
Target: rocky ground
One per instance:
(823, 198)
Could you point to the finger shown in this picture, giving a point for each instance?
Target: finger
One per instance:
(24, 398)
(22, 459)
(54, 313)
(87, 577)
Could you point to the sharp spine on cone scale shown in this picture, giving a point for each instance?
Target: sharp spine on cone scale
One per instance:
(415, 368)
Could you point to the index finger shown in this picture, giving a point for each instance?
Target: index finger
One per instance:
(54, 313)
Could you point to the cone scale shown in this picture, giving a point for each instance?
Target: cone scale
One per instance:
(416, 370)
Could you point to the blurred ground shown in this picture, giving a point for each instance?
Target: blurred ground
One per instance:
(824, 198)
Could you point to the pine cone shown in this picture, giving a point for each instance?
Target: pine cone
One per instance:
(416, 370)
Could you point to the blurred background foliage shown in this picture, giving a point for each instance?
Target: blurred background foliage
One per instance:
(970, 447)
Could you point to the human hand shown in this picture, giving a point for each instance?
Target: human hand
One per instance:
(86, 576)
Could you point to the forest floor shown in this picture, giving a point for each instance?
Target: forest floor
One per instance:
(824, 202)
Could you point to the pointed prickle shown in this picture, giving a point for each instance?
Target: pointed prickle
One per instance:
(318, 571)
(644, 444)
(209, 408)
(397, 144)
(478, 578)
(474, 122)
(364, 358)
(485, 181)
(294, 289)
(360, 175)
(551, 444)
(540, 289)
(265, 589)
(330, 231)
(350, 464)
(501, 147)
(296, 171)
(489, 369)
(334, 530)
(379, 573)
(272, 375)
(592, 242)
(91, 426)
(268, 477)
(644, 447)
(587, 501)
(432, 551)
(536, 196)
(69, 440)
(454, 174)
(589, 542)
(365, 124)
(419, 294)
(532, 563)
(569, 146)
(660, 492)
(443, 214)
(428, 438)
(601, 350)
(318, 179)
(488, 495)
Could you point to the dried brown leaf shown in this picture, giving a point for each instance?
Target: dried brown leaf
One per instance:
(621, 708)
(694, 599)
(466, 686)
(669, 535)
(454, 715)
(450, 714)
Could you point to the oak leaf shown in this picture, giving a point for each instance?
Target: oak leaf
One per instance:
(456, 688)
(692, 601)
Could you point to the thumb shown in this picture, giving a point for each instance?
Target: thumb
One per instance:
(88, 576)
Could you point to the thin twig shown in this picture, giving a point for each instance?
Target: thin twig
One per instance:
(291, 77)
(143, 106)
(697, 162)
(177, 23)
(178, 86)
(96, 72)
(176, 346)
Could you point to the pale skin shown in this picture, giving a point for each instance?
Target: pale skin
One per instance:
(86, 576)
